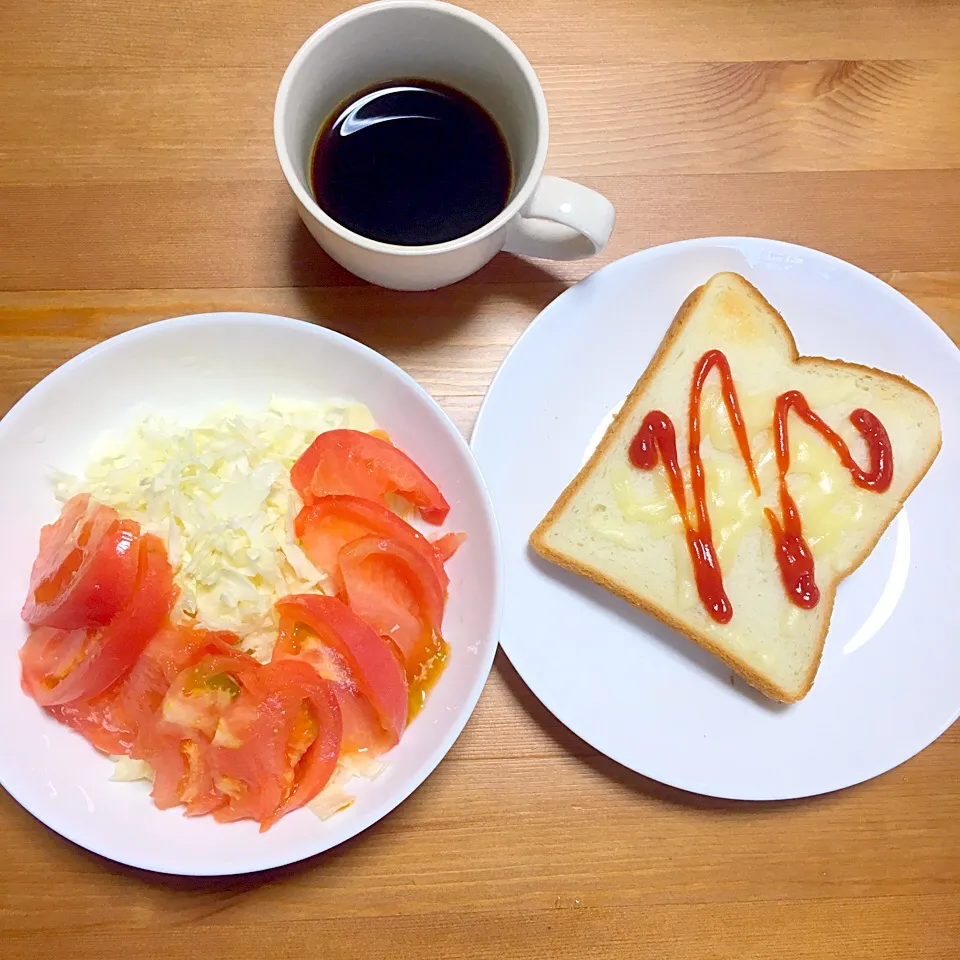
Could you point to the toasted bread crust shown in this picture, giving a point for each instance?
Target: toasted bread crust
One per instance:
(537, 538)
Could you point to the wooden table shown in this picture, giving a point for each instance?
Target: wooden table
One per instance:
(138, 181)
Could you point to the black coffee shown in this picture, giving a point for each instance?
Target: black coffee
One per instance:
(411, 162)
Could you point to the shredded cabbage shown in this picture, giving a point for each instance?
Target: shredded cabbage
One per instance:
(126, 770)
(218, 493)
(334, 796)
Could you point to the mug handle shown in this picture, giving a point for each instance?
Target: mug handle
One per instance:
(563, 220)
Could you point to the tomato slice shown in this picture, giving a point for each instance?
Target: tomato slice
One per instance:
(167, 655)
(100, 721)
(59, 666)
(186, 722)
(395, 590)
(314, 739)
(447, 545)
(373, 663)
(330, 523)
(247, 741)
(356, 463)
(362, 730)
(123, 719)
(85, 571)
(181, 775)
(139, 697)
(199, 695)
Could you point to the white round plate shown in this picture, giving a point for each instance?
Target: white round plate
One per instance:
(185, 367)
(889, 683)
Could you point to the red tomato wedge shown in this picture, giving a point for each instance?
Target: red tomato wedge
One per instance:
(123, 719)
(248, 760)
(182, 775)
(247, 741)
(139, 697)
(362, 730)
(373, 664)
(314, 741)
(332, 522)
(100, 721)
(199, 695)
(185, 724)
(395, 590)
(362, 465)
(447, 545)
(85, 571)
(59, 666)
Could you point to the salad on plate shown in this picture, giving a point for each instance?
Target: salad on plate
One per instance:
(246, 611)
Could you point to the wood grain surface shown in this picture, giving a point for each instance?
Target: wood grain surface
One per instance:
(138, 181)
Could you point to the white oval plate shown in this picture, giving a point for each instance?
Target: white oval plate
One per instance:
(889, 683)
(187, 366)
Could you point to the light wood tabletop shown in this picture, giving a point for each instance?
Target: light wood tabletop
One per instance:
(138, 181)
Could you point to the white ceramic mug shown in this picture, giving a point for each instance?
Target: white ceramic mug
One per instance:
(392, 39)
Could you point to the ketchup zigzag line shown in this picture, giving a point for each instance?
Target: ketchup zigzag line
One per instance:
(793, 554)
(657, 433)
(656, 441)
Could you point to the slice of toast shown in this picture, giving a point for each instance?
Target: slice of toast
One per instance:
(619, 525)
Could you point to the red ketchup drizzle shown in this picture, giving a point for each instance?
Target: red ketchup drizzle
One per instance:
(793, 555)
(656, 440)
